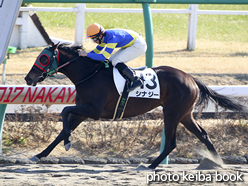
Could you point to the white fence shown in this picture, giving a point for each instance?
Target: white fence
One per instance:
(81, 9)
(60, 96)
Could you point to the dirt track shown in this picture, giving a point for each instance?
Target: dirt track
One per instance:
(110, 174)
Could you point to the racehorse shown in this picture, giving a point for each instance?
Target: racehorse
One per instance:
(96, 97)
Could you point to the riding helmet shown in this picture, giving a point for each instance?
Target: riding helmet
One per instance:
(94, 30)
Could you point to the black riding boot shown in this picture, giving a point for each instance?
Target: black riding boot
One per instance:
(129, 75)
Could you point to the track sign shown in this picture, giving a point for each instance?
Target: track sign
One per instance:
(9, 10)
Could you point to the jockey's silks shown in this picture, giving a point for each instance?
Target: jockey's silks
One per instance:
(114, 38)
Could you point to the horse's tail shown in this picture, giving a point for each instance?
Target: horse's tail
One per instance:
(207, 94)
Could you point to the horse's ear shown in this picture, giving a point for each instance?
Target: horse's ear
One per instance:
(57, 45)
(54, 46)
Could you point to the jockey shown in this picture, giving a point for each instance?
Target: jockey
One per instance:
(131, 45)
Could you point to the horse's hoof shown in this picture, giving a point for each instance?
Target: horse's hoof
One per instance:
(151, 167)
(142, 168)
(68, 146)
(34, 158)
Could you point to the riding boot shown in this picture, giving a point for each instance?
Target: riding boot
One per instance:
(129, 75)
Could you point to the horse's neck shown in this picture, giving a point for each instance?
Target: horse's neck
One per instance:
(79, 69)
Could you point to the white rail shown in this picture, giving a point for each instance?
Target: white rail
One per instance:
(81, 9)
(62, 95)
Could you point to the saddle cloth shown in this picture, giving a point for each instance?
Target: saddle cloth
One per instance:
(151, 88)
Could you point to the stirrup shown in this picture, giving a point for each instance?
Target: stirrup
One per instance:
(140, 68)
(131, 88)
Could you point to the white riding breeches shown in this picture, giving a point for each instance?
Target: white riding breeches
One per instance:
(127, 54)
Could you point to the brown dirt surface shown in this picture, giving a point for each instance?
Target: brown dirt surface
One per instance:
(111, 174)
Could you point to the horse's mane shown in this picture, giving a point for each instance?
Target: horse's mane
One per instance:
(73, 49)
(70, 48)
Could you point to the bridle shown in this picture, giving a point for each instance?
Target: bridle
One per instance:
(51, 72)
(53, 66)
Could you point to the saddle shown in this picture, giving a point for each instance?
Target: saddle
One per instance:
(150, 89)
(122, 101)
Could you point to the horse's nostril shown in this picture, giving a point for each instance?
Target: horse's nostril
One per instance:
(28, 80)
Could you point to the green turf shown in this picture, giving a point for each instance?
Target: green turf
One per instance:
(175, 26)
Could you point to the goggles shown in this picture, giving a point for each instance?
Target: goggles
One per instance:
(95, 39)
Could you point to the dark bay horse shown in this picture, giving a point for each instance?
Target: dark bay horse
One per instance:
(96, 96)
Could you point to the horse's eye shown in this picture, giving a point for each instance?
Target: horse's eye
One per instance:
(44, 60)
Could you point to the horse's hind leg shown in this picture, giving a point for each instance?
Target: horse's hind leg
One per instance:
(74, 121)
(189, 122)
(170, 123)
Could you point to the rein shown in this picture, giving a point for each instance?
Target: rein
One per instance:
(94, 73)
(56, 70)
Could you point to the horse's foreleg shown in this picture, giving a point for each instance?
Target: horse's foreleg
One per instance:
(66, 130)
(74, 121)
(80, 110)
(49, 149)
